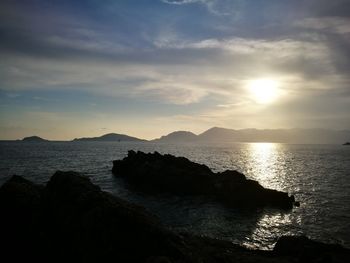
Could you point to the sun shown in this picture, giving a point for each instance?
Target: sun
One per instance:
(264, 91)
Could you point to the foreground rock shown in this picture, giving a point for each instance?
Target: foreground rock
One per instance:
(157, 173)
(72, 220)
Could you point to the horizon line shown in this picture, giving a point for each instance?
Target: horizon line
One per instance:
(197, 134)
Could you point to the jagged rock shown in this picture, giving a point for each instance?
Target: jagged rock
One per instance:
(158, 173)
(76, 220)
(96, 221)
(72, 220)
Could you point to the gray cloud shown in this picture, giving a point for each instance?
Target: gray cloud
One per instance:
(307, 52)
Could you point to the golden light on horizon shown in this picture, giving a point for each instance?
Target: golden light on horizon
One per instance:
(264, 91)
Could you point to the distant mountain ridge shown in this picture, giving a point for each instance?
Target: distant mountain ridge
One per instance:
(296, 136)
(33, 139)
(223, 135)
(178, 136)
(110, 137)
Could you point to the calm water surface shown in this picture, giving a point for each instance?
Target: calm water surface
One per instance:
(318, 175)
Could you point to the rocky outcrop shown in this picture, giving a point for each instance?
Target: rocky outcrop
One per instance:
(157, 173)
(72, 220)
(307, 250)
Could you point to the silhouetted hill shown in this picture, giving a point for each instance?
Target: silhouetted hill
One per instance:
(307, 136)
(178, 136)
(110, 137)
(33, 139)
(223, 135)
(347, 143)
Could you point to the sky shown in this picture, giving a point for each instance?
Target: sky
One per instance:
(149, 67)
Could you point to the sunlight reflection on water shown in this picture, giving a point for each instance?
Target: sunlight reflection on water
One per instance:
(266, 164)
(262, 157)
(268, 228)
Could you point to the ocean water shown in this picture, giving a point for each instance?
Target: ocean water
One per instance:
(318, 176)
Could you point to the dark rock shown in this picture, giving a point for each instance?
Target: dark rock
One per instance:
(99, 226)
(20, 220)
(72, 220)
(347, 143)
(308, 250)
(158, 173)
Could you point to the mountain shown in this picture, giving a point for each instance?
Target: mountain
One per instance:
(33, 139)
(178, 136)
(298, 136)
(223, 135)
(110, 137)
(245, 135)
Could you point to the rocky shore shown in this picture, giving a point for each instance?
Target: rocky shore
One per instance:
(157, 173)
(72, 220)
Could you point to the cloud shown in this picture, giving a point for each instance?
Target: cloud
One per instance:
(176, 72)
(216, 7)
(13, 95)
(181, 55)
(338, 25)
(182, 2)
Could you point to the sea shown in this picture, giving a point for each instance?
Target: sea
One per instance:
(317, 175)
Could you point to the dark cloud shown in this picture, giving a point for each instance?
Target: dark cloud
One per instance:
(336, 8)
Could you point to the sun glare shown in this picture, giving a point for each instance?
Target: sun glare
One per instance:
(264, 91)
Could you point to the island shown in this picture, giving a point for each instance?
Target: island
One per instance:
(177, 136)
(72, 220)
(33, 139)
(157, 173)
(224, 135)
(347, 143)
(110, 137)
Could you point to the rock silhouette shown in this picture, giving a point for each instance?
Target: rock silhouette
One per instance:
(72, 220)
(33, 139)
(110, 137)
(156, 173)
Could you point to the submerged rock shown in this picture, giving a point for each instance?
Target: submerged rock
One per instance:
(158, 173)
(72, 220)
